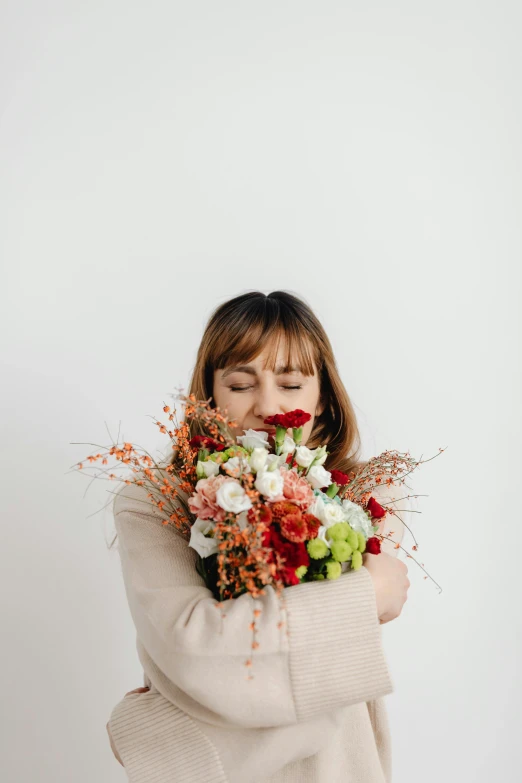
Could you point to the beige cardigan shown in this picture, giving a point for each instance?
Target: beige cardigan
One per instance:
(314, 711)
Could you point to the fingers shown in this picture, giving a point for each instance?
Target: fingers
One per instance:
(143, 689)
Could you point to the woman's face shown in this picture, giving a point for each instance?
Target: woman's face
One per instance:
(250, 394)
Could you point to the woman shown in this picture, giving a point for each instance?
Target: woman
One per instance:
(314, 710)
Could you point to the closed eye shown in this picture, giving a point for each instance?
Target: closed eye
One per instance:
(246, 388)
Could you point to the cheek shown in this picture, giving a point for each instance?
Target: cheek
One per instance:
(235, 406)
(309, 427)
(309, 402)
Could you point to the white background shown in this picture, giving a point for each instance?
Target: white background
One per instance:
(159, 158)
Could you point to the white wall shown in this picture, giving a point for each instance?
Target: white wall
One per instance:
(158, 158)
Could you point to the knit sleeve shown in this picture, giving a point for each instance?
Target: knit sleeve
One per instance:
(332, 655)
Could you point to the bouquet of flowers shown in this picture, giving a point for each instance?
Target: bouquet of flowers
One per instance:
(262, 510)
(307, 527)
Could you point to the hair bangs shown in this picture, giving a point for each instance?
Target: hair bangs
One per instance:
(259, 335)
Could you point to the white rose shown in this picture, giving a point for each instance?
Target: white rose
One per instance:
(328, 511)
(333, 513)
(304, 457)
(270, 484)
(253, 439)
(319, 477)
(320, 455)
(288, 445)
(204, 544)
(232, 497)
(258, 459)
(235, 466)
(207, 468)
(357, 517)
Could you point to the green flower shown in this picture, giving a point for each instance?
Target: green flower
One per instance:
(352, 538)
(362, 541)
(338, 532)
(341, 551)
(356, 560)
(317, 548)
(333, 569)
(301, 571)
(234, 451)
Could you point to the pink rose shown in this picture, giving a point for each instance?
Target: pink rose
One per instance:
(296, 488)
(203, 502)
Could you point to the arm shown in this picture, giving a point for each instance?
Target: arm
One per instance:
(332, 657)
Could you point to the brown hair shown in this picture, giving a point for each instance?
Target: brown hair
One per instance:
(240, 328)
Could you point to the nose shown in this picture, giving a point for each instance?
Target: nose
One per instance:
(265, 404)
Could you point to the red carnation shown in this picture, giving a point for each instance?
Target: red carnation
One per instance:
(297, 418)
(292, 554)
(295, 554)
(294, 527)
(339, 478)
(277, 419)
(266, 538)
(292, 419)
(373, 545)
(204, 442)
(375, 509)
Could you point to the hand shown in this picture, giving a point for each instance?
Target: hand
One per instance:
(113, 746)
(390, 582)
(143, 689)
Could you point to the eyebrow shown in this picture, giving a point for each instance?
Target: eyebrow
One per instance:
(281, 370)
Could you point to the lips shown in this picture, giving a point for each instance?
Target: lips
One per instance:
(272, 432)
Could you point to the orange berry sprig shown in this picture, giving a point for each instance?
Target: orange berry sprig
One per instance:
(167, 484)
(242, 558)
(207, 420)
(388, 468)
(242, 562)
